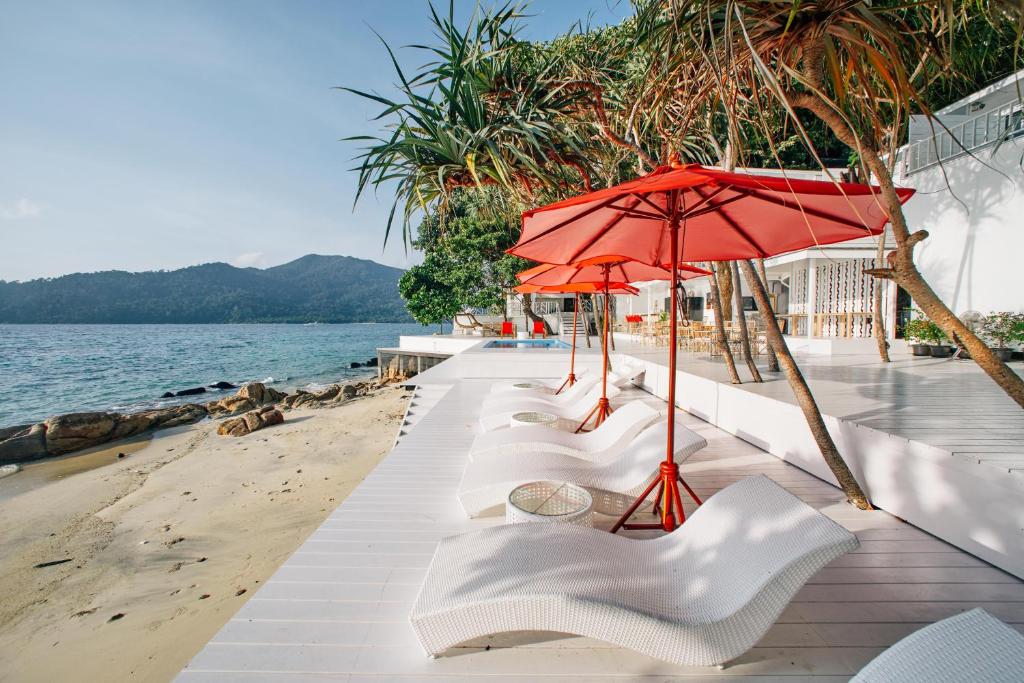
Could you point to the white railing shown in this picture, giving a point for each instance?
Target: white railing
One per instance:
(1002, 123)
(539, 306)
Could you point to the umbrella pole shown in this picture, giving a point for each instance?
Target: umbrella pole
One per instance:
(571, 379)
(603, 409)
(668, 504)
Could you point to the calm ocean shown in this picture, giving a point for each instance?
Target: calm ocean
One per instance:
(52, 369)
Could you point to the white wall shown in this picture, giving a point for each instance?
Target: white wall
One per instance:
(976, 228)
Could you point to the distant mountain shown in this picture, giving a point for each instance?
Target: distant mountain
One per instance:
(335, 289)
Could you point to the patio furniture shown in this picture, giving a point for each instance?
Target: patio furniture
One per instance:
(538, 328)
(532, 418)
(487, 480)
(582, 386)
(497, 416)
(599, 445)
(626, 374)
(468, 324)
(973, 646)
(701, 595)
(508, 329)
(549, 501)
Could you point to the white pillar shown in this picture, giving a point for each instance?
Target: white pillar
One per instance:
(812, 295)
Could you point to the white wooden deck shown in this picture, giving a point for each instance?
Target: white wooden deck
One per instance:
(337, 609)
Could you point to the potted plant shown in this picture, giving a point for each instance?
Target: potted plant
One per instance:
(1003, 329)
(916, 331)
(937, 338)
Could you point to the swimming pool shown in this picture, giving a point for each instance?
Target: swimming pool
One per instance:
(526, 344)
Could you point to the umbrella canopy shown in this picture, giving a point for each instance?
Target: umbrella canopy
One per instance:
(577, 288)
(726, 216)
(690, 213)
(619, 273)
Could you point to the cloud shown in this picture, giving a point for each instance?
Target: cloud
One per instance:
(253, 259)
(23, 208)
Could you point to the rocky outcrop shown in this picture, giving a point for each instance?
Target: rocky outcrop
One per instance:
(66, 433)
(75, 431)
(222, 385)
(191, 392)
(23, 443)
(176, 416)
(249, 397)
(331, 395)
(251, 421)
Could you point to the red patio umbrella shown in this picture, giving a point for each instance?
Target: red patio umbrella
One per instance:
(600, 275)
(575, 289)
(690, 213)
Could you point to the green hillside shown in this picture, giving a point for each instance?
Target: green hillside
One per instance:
(336, 289)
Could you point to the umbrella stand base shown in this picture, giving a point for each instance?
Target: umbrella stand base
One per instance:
(569, 381)
(599, 413)
(668, 504)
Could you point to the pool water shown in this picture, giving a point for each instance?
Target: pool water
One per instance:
(526, 344)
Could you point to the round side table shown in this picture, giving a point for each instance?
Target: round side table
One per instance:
(529, 418)
(549, 501)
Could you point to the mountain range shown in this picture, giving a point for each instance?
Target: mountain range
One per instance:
(314, 288)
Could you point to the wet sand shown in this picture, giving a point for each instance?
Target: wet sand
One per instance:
(123, 568)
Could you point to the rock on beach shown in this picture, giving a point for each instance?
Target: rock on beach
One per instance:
(251, 421)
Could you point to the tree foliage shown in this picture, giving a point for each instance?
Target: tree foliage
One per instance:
(465, 265)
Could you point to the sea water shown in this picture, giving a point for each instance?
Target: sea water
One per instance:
(54, 369)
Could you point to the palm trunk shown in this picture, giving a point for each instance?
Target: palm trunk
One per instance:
(748, 357)
(723, 342)
(877, 317)
(583, 316)
(804, 398)
(773, 361)
(901, 267)
(725, 287)
(611, 333)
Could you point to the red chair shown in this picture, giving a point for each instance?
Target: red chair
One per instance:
(508, 329)
(538, 328)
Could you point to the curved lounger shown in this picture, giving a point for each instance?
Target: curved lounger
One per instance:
(582, 386)
(550, 386)
(973, 646)
(496, 417)
(702, 595)
(624, 375)
(601, 444)
(488, 480)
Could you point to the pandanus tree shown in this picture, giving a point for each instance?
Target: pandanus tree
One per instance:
(859, 67)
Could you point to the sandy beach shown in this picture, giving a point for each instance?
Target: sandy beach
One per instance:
(125, 570)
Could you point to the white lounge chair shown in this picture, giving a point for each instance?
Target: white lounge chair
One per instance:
(581, 387)
(702, 595)
(499, 416)
(488, 480)
(973, 646)
(599, 445)
(549, 386)
(623, 375)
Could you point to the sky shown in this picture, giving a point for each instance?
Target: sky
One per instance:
(146, 135)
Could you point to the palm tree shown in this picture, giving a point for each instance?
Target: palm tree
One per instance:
(474, 116)
(860, 67)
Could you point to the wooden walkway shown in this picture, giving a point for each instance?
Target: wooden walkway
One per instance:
(337, 609)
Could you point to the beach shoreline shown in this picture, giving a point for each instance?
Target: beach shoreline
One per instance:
(124, 569)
